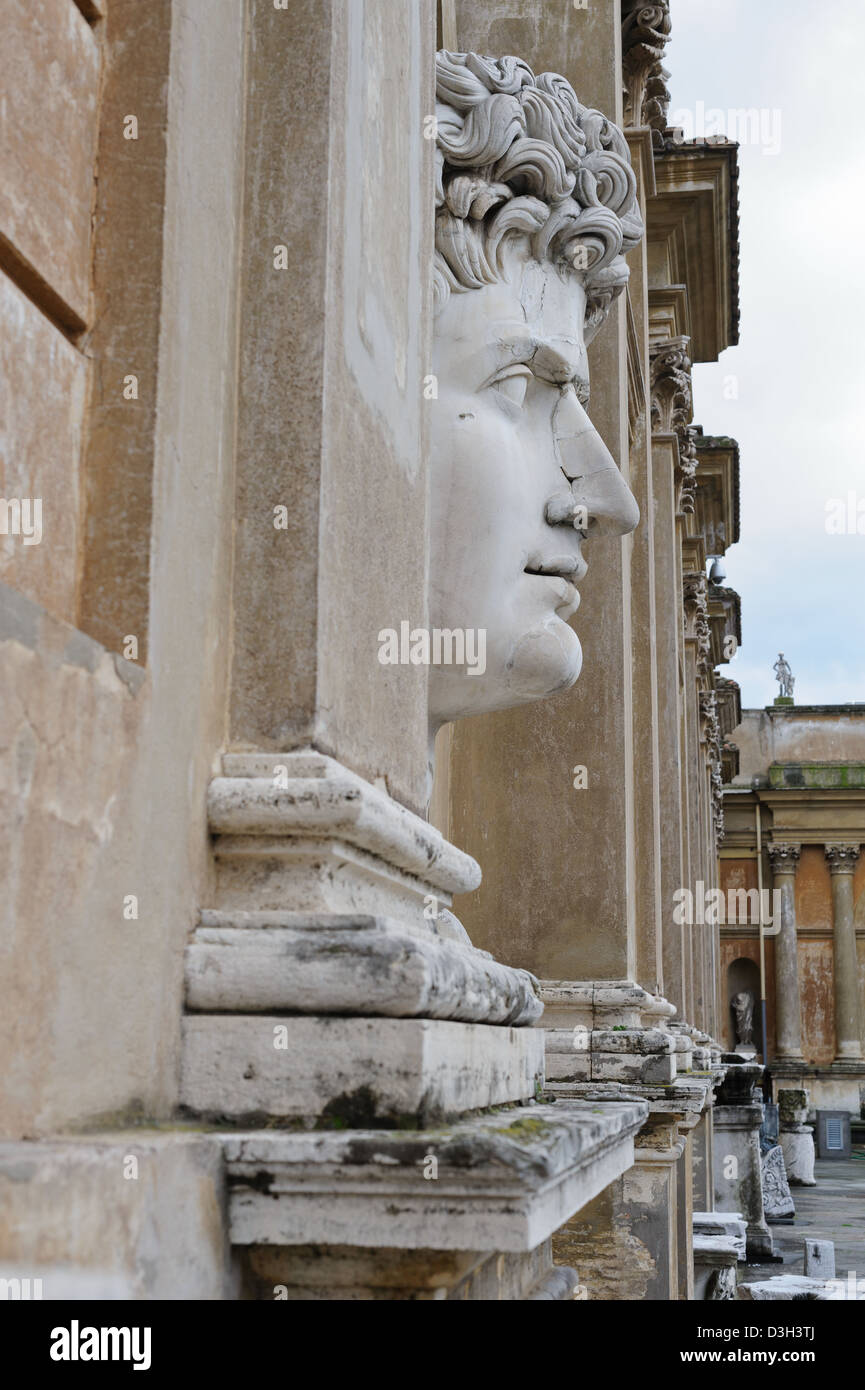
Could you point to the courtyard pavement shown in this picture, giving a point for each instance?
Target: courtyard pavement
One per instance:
(833, 1210)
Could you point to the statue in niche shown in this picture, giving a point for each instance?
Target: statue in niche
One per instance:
(784, 676)
(743, 1013)
(535, 207)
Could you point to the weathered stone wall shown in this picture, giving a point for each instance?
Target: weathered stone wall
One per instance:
(797, 735)
(105, 762)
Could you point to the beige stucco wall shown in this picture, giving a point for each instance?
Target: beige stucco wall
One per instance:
(103, 767)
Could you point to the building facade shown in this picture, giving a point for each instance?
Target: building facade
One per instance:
(795, 813)
(316, 987)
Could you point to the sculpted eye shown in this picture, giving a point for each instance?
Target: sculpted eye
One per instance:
(513, 384)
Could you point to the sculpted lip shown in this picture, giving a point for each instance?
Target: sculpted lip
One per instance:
(560, 576)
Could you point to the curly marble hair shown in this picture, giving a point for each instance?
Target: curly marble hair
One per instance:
(518, 154)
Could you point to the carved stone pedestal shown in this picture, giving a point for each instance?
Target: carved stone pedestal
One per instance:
(738, 1170)
(797, 1146)
(332, 992)
(317, 988)
(796, 1138)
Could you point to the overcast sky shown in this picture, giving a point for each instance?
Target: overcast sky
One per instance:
(799, 367)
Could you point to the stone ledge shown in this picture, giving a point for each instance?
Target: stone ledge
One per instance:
(504, 1181)
(683, 1100)
(355, 1070)
(290, 962)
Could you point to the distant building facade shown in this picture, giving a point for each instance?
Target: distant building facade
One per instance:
(801, 770)
(285, 1015)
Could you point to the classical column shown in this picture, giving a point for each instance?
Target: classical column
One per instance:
(842, 863)
(784, 859)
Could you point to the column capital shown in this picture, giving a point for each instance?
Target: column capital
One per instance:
(783, 856)
(841, 858)
(670, 373)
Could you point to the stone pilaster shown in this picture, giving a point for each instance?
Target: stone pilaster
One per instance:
(784, 859)
(842, 863)
(334, 1002)
(634, 1241)
(704, 1165)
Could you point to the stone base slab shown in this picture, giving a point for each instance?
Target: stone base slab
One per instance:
(353, 1071)
(683, 1100)
(498, 1182)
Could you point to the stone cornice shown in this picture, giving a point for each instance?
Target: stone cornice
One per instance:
(725, 618)
(504, 1181)
(717, 490)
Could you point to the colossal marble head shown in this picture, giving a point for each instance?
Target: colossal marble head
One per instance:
(535, 205)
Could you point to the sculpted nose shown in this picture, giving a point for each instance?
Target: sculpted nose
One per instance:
(598, 494)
